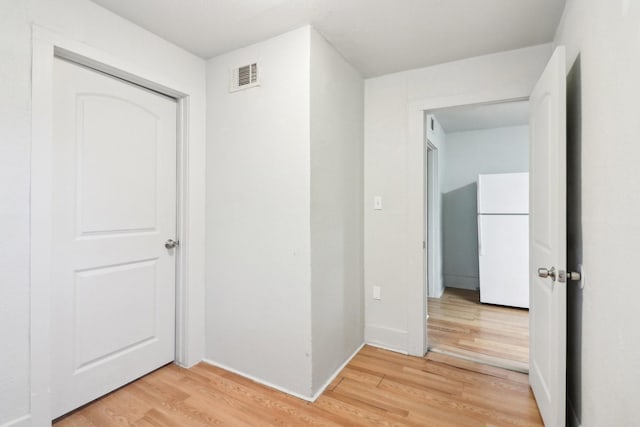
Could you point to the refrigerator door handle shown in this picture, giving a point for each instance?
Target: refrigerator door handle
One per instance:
(480, 248)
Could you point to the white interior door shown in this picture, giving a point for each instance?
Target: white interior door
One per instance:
(114, 206)
(548, 311)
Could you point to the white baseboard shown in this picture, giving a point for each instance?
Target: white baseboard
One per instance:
(22, 421)
(572, 417)
(283, 389)
(461, 282)
(336, 373)
(437, 293)
(395, 350)
(258, 380)
(387, 338)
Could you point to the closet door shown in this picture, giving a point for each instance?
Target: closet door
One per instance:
(114, 204)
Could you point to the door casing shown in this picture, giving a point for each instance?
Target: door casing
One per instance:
(46, 45)
(432, 221)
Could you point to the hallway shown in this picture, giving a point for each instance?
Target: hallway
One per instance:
(459, 324)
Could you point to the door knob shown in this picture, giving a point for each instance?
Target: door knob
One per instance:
(170, 244)
(544, 273)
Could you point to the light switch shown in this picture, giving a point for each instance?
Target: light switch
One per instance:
(377, 203)
(376, 292)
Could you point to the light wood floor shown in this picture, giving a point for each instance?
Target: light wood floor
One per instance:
(458, 323)
(377, 388)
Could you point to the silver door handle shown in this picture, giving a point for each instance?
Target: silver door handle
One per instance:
(170, 244)
(544, 273)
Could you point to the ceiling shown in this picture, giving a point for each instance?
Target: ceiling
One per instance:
(376, 36)
(484, 116)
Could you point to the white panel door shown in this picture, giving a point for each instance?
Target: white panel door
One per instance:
(114, 204)
(548, 310)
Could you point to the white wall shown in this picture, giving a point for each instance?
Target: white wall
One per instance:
(284, 213)
(337, 272)
(258, 228)
(389, 248)
(498, 150)
(94, 26)
(604, 359)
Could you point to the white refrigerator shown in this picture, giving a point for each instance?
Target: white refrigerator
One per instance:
(503, 239)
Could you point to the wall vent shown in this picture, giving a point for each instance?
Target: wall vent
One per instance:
(244, 77)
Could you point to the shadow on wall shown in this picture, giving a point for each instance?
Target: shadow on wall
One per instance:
(574, 244)
(460, 237)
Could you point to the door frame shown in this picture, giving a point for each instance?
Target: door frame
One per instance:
(432, 221)
(417, 341)
(46, 45)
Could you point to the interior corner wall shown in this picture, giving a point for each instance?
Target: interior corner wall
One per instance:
(258, 320)
(470, 153)
(388, 248)
(337, 116)
(603, 354)
(86, 22)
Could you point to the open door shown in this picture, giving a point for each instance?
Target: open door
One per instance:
(548, 278)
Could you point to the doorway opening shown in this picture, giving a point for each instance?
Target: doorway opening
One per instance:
(476, 232)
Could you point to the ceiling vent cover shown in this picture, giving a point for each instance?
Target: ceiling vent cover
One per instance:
(244, 77)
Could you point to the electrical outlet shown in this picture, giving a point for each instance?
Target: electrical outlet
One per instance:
(376, 292)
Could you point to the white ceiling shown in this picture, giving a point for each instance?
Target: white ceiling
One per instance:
(485, 116)
(376, 36)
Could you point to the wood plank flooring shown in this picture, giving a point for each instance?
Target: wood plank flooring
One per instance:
(377, 388)
(459, 324)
